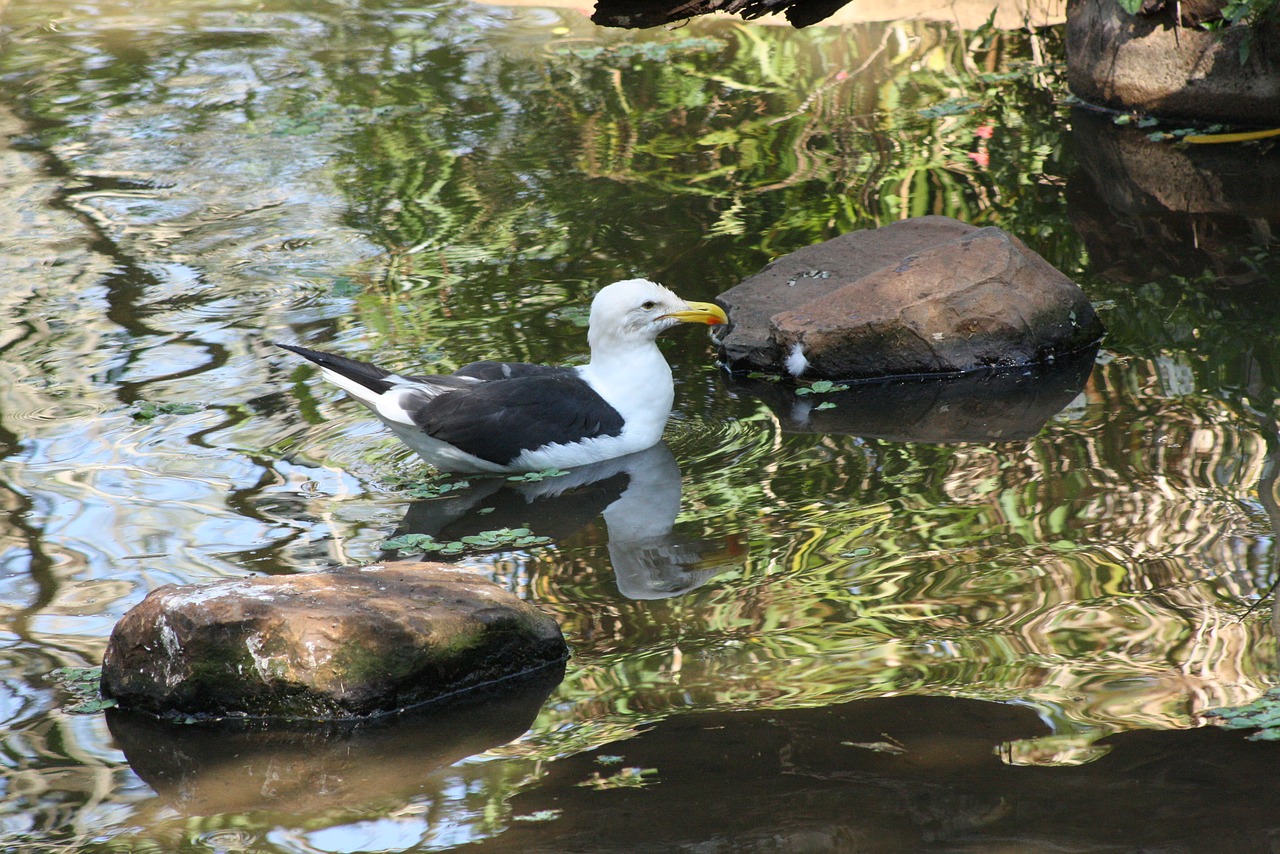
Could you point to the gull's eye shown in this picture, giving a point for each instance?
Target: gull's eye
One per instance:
(648, 305)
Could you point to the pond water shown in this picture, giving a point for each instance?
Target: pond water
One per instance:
(895, 629)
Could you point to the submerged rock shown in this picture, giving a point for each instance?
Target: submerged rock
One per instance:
(929, 295)
(351, 642)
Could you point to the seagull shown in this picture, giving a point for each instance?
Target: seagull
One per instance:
(505, 417)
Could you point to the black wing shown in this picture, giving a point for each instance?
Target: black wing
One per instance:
(510, 370)
(498, 420)
(378, 380)
(368, 375)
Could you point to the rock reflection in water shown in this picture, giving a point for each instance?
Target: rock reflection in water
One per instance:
(638, 496)
(1182, 209)
(308, 767)
(982, 406)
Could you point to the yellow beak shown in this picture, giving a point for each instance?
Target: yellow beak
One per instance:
(700, 312)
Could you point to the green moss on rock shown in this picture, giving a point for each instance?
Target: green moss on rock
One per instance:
(339, 644)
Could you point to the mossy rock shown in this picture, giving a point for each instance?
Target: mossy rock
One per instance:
(346, 643)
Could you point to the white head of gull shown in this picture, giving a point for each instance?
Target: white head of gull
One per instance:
(517, 417)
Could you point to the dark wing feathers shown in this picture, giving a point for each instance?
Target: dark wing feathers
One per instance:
(493, 410)
(509, 370)
(497, 421)
(370, 376)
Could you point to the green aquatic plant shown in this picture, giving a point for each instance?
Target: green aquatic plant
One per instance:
(148, 411)
(437, 489)
(1263, 715)
(484, 541)
(83, 685)
(625, 778)
(822, 387)
(537, 476)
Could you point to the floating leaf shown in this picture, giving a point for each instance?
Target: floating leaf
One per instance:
(1262, 714)
(950, 107)
(344, 286)
(1266, 735)
(75, 677)
(146, 410)
(536, 476)
(89, 707)
(409, 543)
(483, 541)
(84, 685)
(822, 387)
(435, 490)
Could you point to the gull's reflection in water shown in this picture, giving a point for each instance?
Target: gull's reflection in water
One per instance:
(638, 496)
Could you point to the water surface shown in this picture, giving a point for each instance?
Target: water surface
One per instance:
(1075, 553)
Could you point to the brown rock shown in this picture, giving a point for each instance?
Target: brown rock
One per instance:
(345, 643)
(1190, 13)
(1146, 64)
(925, 296)
(812, 273)
(980, 301)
